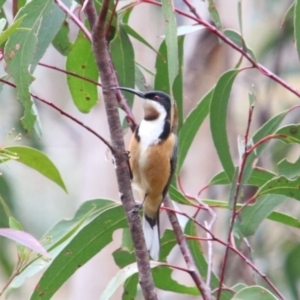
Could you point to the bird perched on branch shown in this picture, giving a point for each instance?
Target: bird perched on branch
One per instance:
(153, 153)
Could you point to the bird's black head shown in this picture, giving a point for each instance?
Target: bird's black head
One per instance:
(160, 97)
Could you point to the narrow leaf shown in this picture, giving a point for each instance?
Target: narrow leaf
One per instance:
(238, 40)
(290, 134)
(61, 41)
(218, 116)
(129, 30)
(24, 239)
(163, 280)
(81, 61)
(178, 83)
(191, 126)
(122, 55)
(10, 30)
(254, 292)
(268, 128)
(86, 244)
(288, 169)
(58, 237)
(120, 278)
(289, 14)
(281, 186)
(258, 177)
(297, 26)
(39, 162)
(161, 80)
(171, 39)
(214, 14)
(253, 215)
(177, 196)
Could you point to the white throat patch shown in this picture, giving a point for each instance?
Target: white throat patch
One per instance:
(149, 131)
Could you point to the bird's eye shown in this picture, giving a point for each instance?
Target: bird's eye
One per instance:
(156, 97)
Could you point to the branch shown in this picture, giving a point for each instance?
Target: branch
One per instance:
(74, 18)
(185, 250)
(66, 115)
(108, 80)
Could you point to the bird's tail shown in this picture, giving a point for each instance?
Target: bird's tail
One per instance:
(152, 236)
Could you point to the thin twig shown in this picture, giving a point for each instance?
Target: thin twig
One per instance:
(238, 187)
(62, 112)
(73, 17)
(70, 73)
(185, 250)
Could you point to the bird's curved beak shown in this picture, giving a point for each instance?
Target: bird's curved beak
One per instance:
(138, 93)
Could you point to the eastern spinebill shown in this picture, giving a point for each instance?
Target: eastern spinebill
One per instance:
(152, 160)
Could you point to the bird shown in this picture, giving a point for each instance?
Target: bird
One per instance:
(152, 161)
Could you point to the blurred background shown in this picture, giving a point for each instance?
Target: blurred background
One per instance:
(85, 163)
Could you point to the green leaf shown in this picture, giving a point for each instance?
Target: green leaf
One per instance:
(178, 83)
(15, 224)
(253, 215)
(274, 216)
(91, 239)
(291, 269)
(61, 41)
(297, 26)
(258, 177)
(218, 115)
(161, 80)
(214, 14)
(240, 15)
(167, 243)
(191, 126)
(177, 196)
(129, 30)
(81, 61)
(268, 128)
(290, 134)
(140, 80)
(171, 40)
(120, 278)
(130, 288)
(289, 14)
(163, 280)
(56, 239)
(284, 219)
(122, 55)
(26, 46)
(199, 258)
(10, 30)
(239, 41)
(288, 169)
(254, 292)
(281, 186)
(39, 162)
